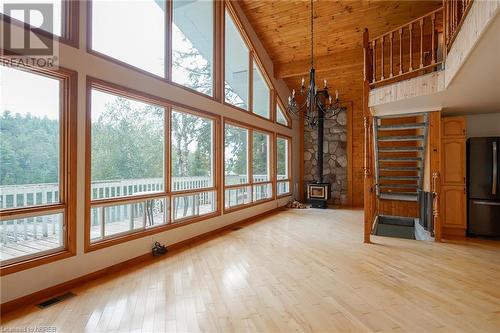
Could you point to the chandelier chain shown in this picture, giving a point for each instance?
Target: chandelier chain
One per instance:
(312, 34)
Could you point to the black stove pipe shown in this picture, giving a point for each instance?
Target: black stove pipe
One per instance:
(321, 129)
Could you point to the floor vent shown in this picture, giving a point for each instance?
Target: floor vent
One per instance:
(55, 300)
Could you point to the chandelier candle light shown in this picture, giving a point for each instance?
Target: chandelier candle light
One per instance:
(318, 105)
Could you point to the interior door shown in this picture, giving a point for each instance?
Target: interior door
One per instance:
(483, 169)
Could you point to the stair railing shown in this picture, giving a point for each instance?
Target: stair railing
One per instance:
(436, 190)
(455, 11)
(413, 48)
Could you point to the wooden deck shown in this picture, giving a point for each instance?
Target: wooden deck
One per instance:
(298, 270)
(28, 244)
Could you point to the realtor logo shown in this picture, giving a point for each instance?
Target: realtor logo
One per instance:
(31, 42)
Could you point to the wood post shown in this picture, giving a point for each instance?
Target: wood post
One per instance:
(390, 56)
(400, 51)
(433, 20)
(410, 27)
(368, 192)
(421, 42)
(374, 68)
(382, 58)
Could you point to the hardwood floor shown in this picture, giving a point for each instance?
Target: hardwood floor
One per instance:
(297, 270)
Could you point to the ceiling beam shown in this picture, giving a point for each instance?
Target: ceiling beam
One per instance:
(339, 60)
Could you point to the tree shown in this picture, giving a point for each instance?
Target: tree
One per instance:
(29, 149)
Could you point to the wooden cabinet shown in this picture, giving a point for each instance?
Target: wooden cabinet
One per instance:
(453, 161)
(453, 203)
(453, 127)
(453, 207)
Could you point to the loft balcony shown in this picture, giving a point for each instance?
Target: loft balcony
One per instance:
(444, 60)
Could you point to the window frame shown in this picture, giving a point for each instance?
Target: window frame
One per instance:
(168, 52)
(122, 63)
(250, 183)
(252, 58)
(67, 176)
(215, 51)
(167, 194)
(70, 10)
(289, 162)
(279, 103)
(215, 166)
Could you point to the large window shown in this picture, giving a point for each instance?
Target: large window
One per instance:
(132, 32)
(35, 162)
(245, 149)
(192, 165)
(239, 60)
(192, 44)
(127, 178)
(152, 165)
(281, 117)
(261, 95)
(283, 165)
(236, 66)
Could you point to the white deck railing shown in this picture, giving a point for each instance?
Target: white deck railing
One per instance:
(45, 227)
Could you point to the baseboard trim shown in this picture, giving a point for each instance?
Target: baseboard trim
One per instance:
(42, 295)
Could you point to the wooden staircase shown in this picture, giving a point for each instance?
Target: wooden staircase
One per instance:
(400, 148)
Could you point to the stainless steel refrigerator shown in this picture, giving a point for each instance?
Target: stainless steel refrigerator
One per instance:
(483, 179)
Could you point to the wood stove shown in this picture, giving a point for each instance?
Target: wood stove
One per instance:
(318, 194)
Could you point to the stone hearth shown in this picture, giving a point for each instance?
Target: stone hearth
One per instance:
(334, 157)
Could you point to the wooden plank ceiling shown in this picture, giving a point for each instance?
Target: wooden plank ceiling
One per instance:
(284, 29)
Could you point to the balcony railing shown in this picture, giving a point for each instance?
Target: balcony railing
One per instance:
(414, 48)
(456, 11)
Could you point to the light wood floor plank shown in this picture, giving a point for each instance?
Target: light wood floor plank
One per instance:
(294, 271)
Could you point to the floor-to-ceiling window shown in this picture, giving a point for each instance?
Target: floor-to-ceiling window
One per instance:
(36, 157)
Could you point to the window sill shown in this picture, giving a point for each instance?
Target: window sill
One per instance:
(89, 247)
(36, 261)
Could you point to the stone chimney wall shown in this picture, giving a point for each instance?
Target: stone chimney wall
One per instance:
(334, 156)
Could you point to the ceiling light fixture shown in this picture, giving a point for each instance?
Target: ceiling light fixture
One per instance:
(318, 104)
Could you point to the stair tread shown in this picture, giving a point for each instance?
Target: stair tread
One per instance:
(399, 158)
(400, 196)
(399, 177)
(401, 138)
(398, 186)
(400, 149)
(399, 169)
(401, 126)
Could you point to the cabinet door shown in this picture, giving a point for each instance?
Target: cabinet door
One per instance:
(453, 211)
(453, 127)
(453, 161)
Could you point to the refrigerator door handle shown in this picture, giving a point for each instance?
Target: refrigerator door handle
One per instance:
(494, 180)
(487, 203)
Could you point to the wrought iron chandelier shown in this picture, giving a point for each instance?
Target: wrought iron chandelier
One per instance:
(318, 104)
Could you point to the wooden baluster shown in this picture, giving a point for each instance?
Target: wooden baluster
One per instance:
(390, 57)
(400, 51)
(382, 59)
(455, 16)
(374, 65)
(433, 19)
(421, 42)
(411, 46)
